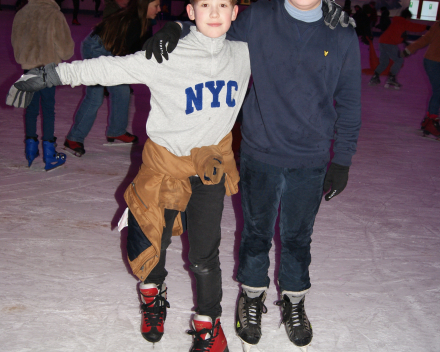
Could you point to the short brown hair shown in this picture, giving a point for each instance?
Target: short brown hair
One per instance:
(233, 2)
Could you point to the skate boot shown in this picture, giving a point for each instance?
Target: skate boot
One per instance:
(375, 80)
(75, 22)
(430, 126)
(248, 315)
(392, 82)
(126, 138)
(31, 149)
(208, 338)
(295, 319)
(50, 155)
(154, 310)
(74, 148)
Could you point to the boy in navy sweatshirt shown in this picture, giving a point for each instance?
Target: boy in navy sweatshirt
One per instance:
(306, 94)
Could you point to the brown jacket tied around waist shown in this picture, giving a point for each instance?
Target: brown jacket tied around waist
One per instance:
(163, 183)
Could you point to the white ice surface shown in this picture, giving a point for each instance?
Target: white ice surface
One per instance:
(65, 284)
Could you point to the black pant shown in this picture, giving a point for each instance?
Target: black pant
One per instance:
(75, 9)
(204, 214)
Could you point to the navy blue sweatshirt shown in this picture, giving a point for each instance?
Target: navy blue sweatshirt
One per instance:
(306, 90)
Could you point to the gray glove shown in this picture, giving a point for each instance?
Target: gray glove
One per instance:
(333, 15)
(19, 98)
(39, 78)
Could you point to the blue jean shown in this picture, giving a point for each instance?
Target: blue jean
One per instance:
(119, 100)
(263, 188)
(47, 98)
(432, 68)
(387, 52)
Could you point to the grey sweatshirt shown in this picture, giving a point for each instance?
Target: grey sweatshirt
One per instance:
(195, 95)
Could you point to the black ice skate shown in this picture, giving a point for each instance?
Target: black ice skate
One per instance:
(248, 319)
(74, 148)
(392, 82)
(375, 80)
(297, 324)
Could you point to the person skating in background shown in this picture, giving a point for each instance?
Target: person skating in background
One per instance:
(289, 122)
(41, 35)
(120, 34)
(384, 21)
(188, 162)
(75, 21)
(389, 48)
(431, 63)
(112, 6)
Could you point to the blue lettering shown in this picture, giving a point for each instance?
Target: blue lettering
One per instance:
(193, 98)
(229, 100)
(215, 92)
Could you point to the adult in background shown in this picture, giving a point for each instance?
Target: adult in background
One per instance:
(120, 34)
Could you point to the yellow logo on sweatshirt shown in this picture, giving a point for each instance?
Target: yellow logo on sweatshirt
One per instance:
(325, 53)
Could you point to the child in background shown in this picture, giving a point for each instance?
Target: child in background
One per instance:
(431, 62)
(40, 35)
(188, 163)
(389, 49)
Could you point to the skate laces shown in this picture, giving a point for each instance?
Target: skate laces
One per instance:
(253, 307)
(293, 314)
(155, 311)
(200, 344)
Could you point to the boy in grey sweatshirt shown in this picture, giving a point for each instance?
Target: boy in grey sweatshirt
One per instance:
(195, 98)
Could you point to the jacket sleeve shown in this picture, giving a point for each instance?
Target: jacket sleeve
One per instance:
(240, 27)
(424, 40)
(414, 27)
(348, 105)
(64, 44)
(109, 71)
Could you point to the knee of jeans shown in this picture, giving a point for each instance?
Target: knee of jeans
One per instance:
(205, 268)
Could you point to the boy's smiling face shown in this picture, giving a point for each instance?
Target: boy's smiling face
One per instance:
(213, 17)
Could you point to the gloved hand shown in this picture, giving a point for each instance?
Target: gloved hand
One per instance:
(333, 15)
(428, 28)
(163, 42)
(405, 53)
(214, 169)
(38, 79)
(336, 178)
(18, 98)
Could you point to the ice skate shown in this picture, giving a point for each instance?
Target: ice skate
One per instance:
(431, 127)
(208, 337)
(391, 82)
(248, 315)
(74, 148)
(298, 327)
(51, 157)
(124, 139)
(31, 149)
(375, 80)
(154, 310)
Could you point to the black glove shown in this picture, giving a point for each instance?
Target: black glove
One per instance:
(333, 15)
(336, 178)
(163, 42)
(428, 28)
(38, 79)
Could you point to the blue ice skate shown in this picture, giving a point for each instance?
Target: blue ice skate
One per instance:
(51, 157)
(31, 149)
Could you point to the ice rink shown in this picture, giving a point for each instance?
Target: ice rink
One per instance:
(65, 284)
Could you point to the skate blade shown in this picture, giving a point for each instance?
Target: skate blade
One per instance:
(246, 346)
(116, 144)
